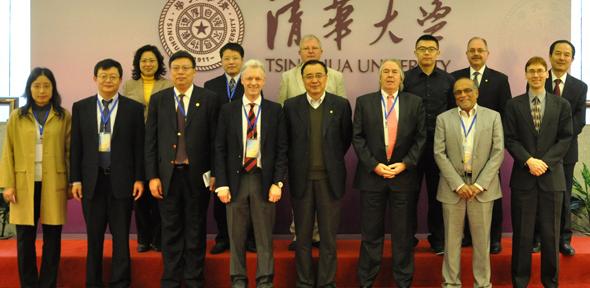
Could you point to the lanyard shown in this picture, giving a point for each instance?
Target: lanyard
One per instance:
(180, 104)
(230, 94)
(104, 118)
(466, 131)
(250, 127)
(41, 125)
(385, 112)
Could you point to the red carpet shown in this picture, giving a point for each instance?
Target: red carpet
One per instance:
(147, 267)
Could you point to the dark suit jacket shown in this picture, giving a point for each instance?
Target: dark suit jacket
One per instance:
(219, 86)
(574, 91)
(126, 146)
(494, 89)
(550, 144)
(229, 150)
(161, 138)
(369, 142)
(336, 132)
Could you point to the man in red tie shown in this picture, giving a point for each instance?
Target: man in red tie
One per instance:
(388, 136)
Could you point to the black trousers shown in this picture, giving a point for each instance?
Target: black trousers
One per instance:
(99, 211)
(566, 215)
(147, 220)
(27, 254)
(183, 211)
(373, 213)
(318, 200)
(544, 208)
(427, 169)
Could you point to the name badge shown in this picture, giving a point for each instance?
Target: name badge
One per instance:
(39, 152)
(252, 148)
(104, 142)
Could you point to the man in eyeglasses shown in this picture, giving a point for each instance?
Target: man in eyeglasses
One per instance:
(180, 132)
(435, 87)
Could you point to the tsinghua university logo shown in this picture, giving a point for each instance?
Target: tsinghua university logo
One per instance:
(201, 27)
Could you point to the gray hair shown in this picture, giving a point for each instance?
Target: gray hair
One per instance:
(401, 71)
(309, 37)
(253, 64)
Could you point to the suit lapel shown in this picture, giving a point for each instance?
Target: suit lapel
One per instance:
(458, 130)
(375, 105)
(194, 105)
(236, 118)
(169, 104)
(403, 115)
(119, 117)
(327, 113)
(264, 117)
(303, 112)
(549, 110)
(525, 109)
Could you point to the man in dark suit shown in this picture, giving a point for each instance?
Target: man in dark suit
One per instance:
(494, 91)
(251, 166)
(180, 131)
(228, 88)
(387, 173)
(561, 55)
(319, 129)
(538, 132)
(106, 158)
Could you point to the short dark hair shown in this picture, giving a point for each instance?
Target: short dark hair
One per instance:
(427, 37)
(55, 97)
(182, 54)
(552, 47)
(314, 62)
(535, 60)
(233, 47)
(107, 64)
(136, 72)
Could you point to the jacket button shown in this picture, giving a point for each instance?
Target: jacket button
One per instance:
(238, 172)
(173, 146)
(171, 161)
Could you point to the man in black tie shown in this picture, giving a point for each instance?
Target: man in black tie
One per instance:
(251, 166)
(180, 131)
(561, 55)
(319, 128)
(494, 91)
(107, 170)
(538, 132)
(228, 88)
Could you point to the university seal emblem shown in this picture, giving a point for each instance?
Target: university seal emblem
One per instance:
(201, 27)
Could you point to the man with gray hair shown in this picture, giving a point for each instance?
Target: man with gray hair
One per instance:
(249, 131)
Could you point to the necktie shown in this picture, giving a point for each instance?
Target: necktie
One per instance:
(181, 155)
(475, 80)
(556, 90)
(391, 127)
(105, 157)
(537, 113)
(251, 133)
(232, 84)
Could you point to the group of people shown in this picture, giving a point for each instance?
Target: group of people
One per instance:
(165, 146)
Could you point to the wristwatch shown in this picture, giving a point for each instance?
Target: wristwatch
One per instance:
(280, 184)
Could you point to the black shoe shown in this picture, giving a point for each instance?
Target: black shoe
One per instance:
(438, 250)
(156, 248)
(466, 242)
(415, 241)
(292, 246)
(251, 246)
(495, 248)
(316, 244)
(536, 247)
(567, 249)
(219, 247)
(143, 248)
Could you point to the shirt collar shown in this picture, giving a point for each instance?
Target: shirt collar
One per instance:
(228, 78)
(100, 98)
(188, 92)
(562, 78)
(311, 101)
(384, 94)
(481, 70)
(541, 96)
(471, 112)
(246, 102)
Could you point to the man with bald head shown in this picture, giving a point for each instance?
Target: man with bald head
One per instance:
(468, 185)
(494, 91)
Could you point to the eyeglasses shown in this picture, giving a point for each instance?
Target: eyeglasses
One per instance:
(537, 71)
(466, 91)
(479, 51)
(318, 76)
(179, 68)
(147, 61)
(105, 77)
(423, 49)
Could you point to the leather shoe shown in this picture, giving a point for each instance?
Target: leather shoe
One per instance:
(251, 246)
(495, 248)
(219, 247)
(567, 249)
(143, 248)
(536, 247)
(316, 244)
(292, 246)
(438, 250)
(156, 248)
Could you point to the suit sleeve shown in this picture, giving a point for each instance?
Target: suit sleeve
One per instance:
(512, 135)
(447, 170)
(221, 148)
(505, 94)
(411, 159)
(213, 118)
(151, 139)
(564, 136)
(283, 88)
(346, 126)
(139, 143)
(7, 177)
(579, 110)
(76, 146)
(359, 138)
(280, 172)
(492, 166)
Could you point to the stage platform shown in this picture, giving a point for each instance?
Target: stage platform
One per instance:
(147, 267)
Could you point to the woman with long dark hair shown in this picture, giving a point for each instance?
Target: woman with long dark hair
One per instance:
(33, 173)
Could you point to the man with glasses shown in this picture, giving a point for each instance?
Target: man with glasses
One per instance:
(435, 87)
(310, 48)
(494, 91)
(538, 132)
(319, 128)
(180, 132)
